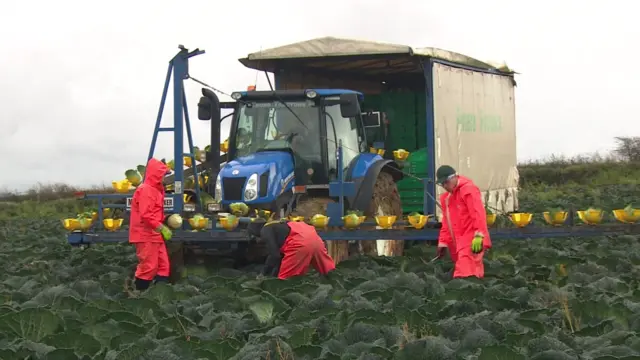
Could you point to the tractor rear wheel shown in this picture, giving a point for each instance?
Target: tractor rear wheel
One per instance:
(385, 201)
(310, 206)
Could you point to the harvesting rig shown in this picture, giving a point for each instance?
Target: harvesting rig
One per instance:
(310, 150)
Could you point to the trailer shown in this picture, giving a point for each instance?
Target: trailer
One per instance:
(355, 104)
(459, 110)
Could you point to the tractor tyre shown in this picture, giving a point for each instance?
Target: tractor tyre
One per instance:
(310, 206)
(176, 259)
(385, 201)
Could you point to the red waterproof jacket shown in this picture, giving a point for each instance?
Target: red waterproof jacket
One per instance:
(463, 216)
(147, 207)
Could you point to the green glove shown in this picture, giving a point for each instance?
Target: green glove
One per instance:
(476, 244)
(166, 233)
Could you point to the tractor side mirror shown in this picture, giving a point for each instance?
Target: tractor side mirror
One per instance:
(204, 109)
(209, 106)
(251, 111)
(349, 105)
(371, 119)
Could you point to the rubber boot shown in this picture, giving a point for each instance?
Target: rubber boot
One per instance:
(330, 275)
(141, 284)
(161, 279)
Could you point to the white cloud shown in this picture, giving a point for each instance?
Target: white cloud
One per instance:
(81, 83)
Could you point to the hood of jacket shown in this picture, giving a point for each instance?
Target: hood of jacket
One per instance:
(462, 182)
(154, 174)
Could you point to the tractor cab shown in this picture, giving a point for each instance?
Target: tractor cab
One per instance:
(288, 138)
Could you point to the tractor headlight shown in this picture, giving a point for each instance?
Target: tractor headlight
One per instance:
(189, 207)
(236, 96)
(311, 94)
(251, 190)
(218, 191)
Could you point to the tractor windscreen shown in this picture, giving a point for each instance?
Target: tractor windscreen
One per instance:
(270, 125)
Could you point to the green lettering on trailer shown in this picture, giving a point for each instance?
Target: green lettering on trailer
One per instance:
(467, 122)
(490, 123)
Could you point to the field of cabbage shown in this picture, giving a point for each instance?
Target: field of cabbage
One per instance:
(546, 299)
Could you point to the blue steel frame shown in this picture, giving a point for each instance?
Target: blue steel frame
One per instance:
(179, 68)
(429, 206)
(338, 188)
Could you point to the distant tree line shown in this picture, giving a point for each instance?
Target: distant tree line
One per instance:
(627, 148)
(553, 170)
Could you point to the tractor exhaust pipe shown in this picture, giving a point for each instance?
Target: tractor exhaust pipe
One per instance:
(209, 109)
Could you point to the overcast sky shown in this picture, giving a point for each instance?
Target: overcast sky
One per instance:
(80, 84)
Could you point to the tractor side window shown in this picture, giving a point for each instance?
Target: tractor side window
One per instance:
(345, 131)
(271, 130)
(244, 134)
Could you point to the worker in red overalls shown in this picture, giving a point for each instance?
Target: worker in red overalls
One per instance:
(464, 223)
(146, 229)
(292, 247)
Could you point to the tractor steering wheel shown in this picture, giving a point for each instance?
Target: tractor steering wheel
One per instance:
(286, 136)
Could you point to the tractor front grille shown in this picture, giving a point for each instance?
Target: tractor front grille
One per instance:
(264, 182)
(232, 188)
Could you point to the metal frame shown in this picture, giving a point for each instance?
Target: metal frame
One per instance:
(178, 69)
(427, 235)
(339, 188)
(180, 66)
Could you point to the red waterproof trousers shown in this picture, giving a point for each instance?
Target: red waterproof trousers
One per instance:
(303, 248)
(466, 263)
(153, 260)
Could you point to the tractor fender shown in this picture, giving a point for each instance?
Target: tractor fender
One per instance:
(365, 184)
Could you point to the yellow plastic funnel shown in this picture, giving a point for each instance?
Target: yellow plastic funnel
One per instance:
(400, 154)
(352, 222)
(71, 224)
(555, 219)
(112, 224)
(386, 222)
(627, 217)
(418, 221)
(199, 223)
(224, 147)
(229, 224)
(491, 219)
(320, 221)
(591, 216)
(521, 219)
(121, 186)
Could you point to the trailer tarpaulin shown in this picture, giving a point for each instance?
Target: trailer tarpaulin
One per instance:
(475, 130)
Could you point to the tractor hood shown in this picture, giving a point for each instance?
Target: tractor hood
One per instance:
(273, 167)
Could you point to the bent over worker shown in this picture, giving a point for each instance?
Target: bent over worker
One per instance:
(292, 247)
(146, 229)
(464, 223)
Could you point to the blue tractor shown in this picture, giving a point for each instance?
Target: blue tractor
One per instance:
(284, 153)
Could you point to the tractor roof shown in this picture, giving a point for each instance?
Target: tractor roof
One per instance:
(320, 92)
(364, 57)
